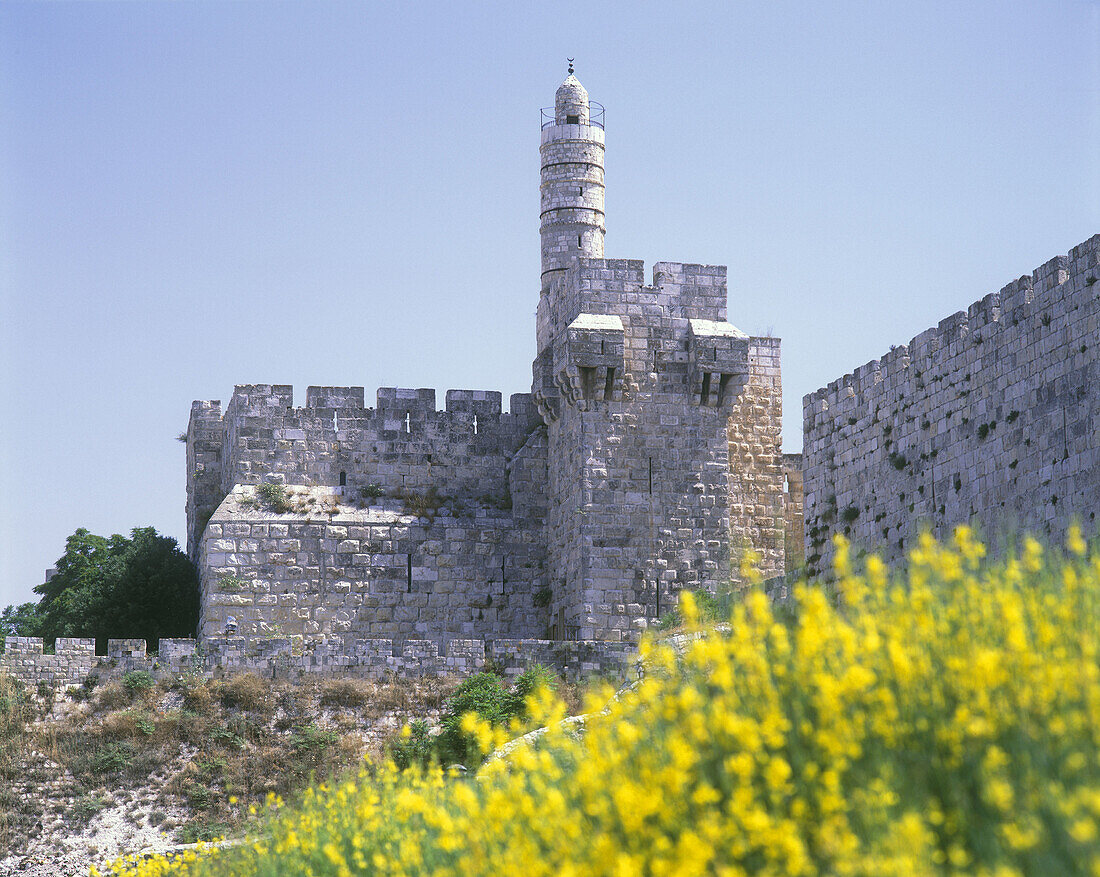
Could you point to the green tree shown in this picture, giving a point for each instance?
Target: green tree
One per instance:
(21, 620)
(140, 587)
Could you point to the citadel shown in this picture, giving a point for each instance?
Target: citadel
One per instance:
(645, 460)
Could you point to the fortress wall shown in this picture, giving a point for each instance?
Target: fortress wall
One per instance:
(292, 657)
(206, 442)
(75, 659)
(384, 572)
(402, 445)
(757, 513)
(640, 481)
(793, 501)
(992, 415)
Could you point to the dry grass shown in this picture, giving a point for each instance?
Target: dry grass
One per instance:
(347, 693)
(206, 740)
(245, 691)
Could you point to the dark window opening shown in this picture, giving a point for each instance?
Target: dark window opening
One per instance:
(578, 240)
(650, 476)
(409, 572)
(608, 384)
(704, 396)
(572, 120)
(343, 479)
(588, 381)
(723, 388)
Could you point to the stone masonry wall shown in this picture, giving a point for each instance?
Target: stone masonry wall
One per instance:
(406, 522)
(757, 515)
(991, 416)
(402, 445)
(376, 571)
(291, 657)
(662, 427)
(793, 510)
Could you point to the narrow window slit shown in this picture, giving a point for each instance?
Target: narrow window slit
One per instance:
(475, 424)
(723, 388)
(651, 476)
(343, 479)
(609, 384)
(408, 421)
(409, 572)
(588, 380)
(704, 396)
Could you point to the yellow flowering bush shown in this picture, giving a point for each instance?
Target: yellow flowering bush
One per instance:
(940, 721)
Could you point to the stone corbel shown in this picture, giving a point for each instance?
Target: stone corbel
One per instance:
(719, 356)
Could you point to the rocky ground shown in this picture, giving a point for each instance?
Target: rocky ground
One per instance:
(135, 765)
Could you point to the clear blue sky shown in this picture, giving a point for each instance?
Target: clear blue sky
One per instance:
(194, 195)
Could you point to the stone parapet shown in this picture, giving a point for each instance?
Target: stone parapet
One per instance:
(292, 657)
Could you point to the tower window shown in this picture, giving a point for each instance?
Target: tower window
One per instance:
(408, 421)
(572, 120)
(343, 479)
(578, 240)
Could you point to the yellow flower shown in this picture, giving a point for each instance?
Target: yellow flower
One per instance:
(1075, 542)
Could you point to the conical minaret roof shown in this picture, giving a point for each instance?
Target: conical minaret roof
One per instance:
(571, 101)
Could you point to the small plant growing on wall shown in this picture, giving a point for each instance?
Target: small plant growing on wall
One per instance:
(231, 583)
(274, 497)
(422, 505)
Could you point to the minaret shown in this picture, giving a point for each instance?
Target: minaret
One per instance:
(572, 180)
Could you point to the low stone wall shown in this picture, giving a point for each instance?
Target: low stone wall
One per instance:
(290, 657)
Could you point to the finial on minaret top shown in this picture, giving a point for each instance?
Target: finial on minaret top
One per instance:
(570, 66)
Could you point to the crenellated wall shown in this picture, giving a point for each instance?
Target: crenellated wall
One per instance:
(403, 444)
(403, 522)
(663, 431)
(290, 657)
(991, 416)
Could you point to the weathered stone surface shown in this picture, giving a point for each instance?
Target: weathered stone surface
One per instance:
(992, 416)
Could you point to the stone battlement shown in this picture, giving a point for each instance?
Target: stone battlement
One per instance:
(1023, 301)
(248, 398)
(990, 416)
(291, 657)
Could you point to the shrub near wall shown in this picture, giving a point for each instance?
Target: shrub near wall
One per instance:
(942, 723)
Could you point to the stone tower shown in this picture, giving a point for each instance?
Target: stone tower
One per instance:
(572, 185)
(663, 419)
(644, 460)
